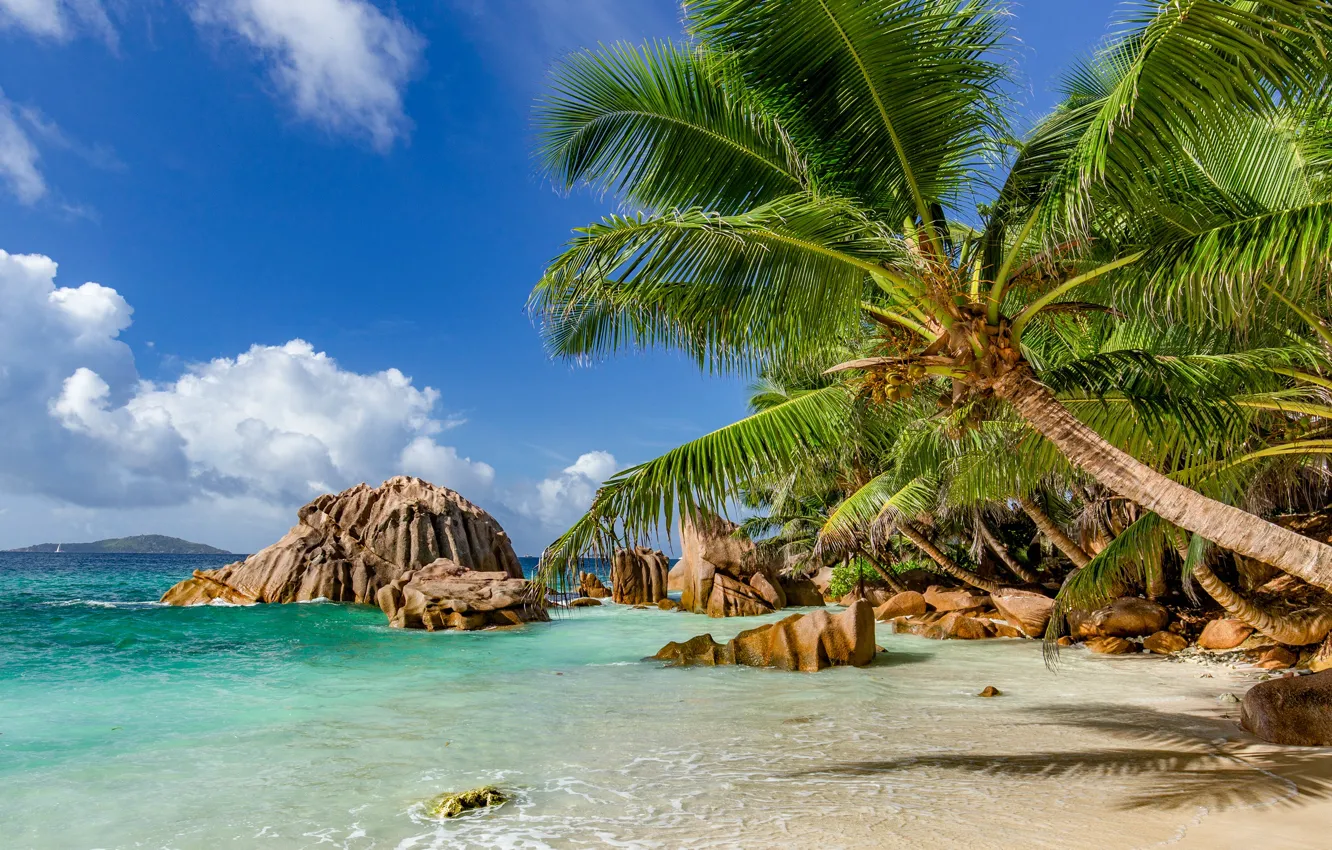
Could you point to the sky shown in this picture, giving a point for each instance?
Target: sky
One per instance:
(256, 250)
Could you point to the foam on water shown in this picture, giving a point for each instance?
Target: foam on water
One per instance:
(139, 725)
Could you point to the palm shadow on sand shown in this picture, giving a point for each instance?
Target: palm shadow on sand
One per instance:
(1180, 760)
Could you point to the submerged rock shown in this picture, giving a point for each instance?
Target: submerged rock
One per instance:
(990, 691)
(1295, 711)
(452, 805)
(639, 576)
(584, 602)
(345, 547)
(1113, 646)
(806, 642)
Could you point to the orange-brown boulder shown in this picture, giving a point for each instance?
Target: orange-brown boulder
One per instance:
(1004, 630)
(675, 579)
(1322, 657)
(770, 591)
(712, 557)
(591, 586)
(584, 602)
(801, 592)
(346, 547)
(1113, 646)
(446, 595)
(669, 604)
(1024, 610)
(1128, 616)
(956, 625)
(1224, 634)
(638, 576)
(732, 598)
(944, 600)
(1294, 712)
(806, 642)
(909, 603)
(1274, 657)
(1164, 643)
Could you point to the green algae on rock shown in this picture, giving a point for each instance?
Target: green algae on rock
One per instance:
(453, 805)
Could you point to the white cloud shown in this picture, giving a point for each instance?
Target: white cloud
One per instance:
(18, 156)
(56, 19)
(275, 425)
(558, 501)
(342, 63)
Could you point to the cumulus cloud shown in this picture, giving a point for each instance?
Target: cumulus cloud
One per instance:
(343, 64)
(18, 156)
(274, 425)
(56, 19)
(558, 501)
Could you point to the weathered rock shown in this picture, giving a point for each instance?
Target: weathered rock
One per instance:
(1294, 712)
(941, 599)
(875, 596)
(956, 625)
(807, 642)
(906, 604)
(1164, 643)
(1025, 610)
(445, 595)
(990, 691)
(591, 586)
(1275, 658)
(1128, 616)
(669, 604)
(584, 602)
(453, 805)
(712, 557)
(823, 580)
(732, 598)
(771, 592)
(1005, 630)
(1113, 646)
(346, 547)
(1322, 657)
(801, 592)
(1224, 634)
(639, 576)
(675, 579)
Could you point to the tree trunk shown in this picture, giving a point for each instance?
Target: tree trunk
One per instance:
(1296, 631)
(1051, 529)
(945, 563)
(893, 583)
(999, 549)
(1222, 524)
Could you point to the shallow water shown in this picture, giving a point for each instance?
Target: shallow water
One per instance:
(126, 724)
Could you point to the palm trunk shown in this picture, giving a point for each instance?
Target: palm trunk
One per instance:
(1051, 529)
(999, 549)
(1295, 631)
(945, 563)
(1222, 524)
(893, 584)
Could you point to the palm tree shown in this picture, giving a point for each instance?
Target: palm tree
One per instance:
(804, 168)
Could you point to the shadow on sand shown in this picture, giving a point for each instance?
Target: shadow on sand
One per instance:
(1181, 760)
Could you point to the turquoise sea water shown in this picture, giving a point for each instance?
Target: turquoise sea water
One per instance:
(125, 724)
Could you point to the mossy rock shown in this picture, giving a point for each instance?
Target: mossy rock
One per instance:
(453, 805)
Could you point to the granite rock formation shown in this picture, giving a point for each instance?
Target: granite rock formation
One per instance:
(1295, 711)
(347, 547)
(590, 586)
(806, 642)
(724, 576)
(444, 595)
(639, 576)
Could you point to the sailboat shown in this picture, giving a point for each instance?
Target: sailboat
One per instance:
(57, 548)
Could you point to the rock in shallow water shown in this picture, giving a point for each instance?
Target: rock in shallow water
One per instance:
(639, 576)
(807, 642)
(1127, 617)
(444, 595)
(1025, 610)
(453, 805)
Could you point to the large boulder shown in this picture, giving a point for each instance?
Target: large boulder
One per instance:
(942, 599)
(1224, 634)
(1294, 712)
(638, 576)
(347, 547)
(719, 568)
(675, 579)
(446, 595)
(801, 592)
(1126, 617)
(807, 642)
(1025, 610)
(591, 587)
(908, 603)
(1165, 643)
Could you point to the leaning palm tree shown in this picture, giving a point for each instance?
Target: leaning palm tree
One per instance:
(804, 168)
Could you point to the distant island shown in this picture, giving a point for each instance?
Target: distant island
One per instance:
(142, 544)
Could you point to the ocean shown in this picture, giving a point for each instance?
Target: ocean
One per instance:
(126, 724)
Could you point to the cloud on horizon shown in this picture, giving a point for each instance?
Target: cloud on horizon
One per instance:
(243, 439)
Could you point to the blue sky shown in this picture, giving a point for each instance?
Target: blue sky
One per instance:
(237, 175)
